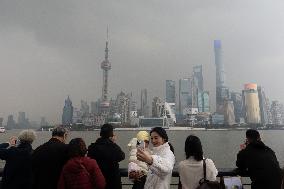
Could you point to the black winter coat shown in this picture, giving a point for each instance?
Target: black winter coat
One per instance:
(108, 154)
(18, 168)
(48, 161)
(262, 165)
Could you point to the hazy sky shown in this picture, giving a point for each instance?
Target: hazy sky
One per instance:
(53, 48)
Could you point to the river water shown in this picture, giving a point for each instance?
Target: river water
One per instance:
(220, 146)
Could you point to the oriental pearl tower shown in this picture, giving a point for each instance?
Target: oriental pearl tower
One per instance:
(105, 66)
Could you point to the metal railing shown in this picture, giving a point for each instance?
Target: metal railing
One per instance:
(223, 172)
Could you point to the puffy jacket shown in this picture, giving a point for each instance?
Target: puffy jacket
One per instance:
(81, 173)
(108, 155)
(160, 172)
(262, 165)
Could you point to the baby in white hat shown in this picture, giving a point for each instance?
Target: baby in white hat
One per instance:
(136, 166)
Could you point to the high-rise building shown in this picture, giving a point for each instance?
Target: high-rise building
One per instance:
(198, 77)
(43, 122)
(222, 92)
(238, 105)
(105, 66)
(229, 112)
(1, 121)
(77, 117)
(205, 103)
(123, 107)
(157, 107)
(264, 105)
(22, 120)
(277, 113)
(184, 94)
(197, 87)
(170, 91)
(11, 124)
(67, 112)
(144, 110)
(85, 108)
(251, 104)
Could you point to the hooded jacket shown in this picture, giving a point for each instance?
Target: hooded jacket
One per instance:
(262, 165)
(108, 155)
(160, 172)
(81, 173)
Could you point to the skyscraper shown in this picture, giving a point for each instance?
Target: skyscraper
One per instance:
(251, 104)
(156, 107)
(144, 103)
(263, 105)
(222, 92)
(238, 105)
(198, 77)
(67, 112)
(123, 107)
(197, 88)
(106, 66)
(85, 108)
(229, 112)
(205, 105)
(22, 120)
(277, 113)
(184, 94)
(1, 121)
(10, 122)
(170, 91)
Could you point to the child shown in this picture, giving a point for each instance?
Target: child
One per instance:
(138, 170)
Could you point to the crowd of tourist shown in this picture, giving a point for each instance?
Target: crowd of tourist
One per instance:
(56, 164)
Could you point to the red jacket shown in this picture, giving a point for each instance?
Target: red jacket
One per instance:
(81, 173)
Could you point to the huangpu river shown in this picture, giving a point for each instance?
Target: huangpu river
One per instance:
(221, 146)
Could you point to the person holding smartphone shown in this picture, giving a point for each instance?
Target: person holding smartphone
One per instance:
(18, 167)
(160, 162)
(260, 162)
(137, 170)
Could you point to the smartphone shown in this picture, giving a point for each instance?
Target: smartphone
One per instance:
(141, 145)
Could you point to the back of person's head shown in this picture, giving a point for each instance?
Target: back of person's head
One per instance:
(193, 148)
(106, 131)
(163, 134)
(143, 136)
(27, 136)
(59, 131)
(77, 148)
(252, 135)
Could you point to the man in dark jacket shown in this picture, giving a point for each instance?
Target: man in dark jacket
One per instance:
(49, 159)
(108, 155)
(260, 162)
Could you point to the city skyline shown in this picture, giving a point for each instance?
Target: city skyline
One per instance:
(49, 50)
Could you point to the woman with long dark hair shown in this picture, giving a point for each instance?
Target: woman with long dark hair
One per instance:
(191, 169)
(161, 161)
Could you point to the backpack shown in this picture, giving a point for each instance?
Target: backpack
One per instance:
(206, 184)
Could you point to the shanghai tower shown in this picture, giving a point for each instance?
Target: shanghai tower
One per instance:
(222, 92)
(105, 66)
